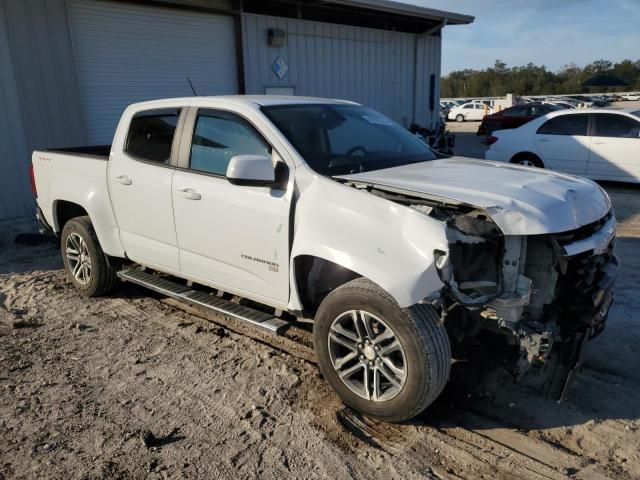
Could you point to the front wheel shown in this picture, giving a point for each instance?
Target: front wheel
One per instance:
(460, 118)
(387, 362)
(84, 261)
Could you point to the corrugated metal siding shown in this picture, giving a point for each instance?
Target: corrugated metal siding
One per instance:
(13, 144)
(129, 53)
(372, 67)
(39, 99)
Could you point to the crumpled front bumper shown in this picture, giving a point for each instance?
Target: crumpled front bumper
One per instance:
(596, 317)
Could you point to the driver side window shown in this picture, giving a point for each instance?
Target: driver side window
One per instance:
(219, 136)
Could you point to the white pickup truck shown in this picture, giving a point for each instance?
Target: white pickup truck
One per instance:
(328, 211)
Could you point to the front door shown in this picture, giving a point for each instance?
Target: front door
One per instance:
(563, 143)
(140, 179)
(615, 148)
(232, 237)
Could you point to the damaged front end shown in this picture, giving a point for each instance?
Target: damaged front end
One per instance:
(547, 296)
(530, 301)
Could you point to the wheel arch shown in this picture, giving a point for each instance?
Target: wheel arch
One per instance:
(100, 216)
(315, 277)
(329, 271)
(64, 210)
(527, 154)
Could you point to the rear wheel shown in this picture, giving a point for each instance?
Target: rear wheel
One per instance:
(528, 160)
(386, 362)
(84, 261)
(460, 118)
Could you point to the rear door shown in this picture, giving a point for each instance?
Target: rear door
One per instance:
(140, 178)
(513, 117)
(563, 143)
(231, 237)
(615, 147)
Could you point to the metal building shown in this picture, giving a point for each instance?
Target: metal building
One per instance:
(69, 67)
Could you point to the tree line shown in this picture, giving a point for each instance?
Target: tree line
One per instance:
(531, 79)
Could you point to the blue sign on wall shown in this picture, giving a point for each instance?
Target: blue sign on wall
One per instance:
(280, 67)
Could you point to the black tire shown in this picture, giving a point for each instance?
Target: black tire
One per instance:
(459, 118)
(102, 278)
(418, 329)
(527, 160)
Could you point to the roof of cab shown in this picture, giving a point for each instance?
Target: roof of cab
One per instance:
(268, 100)
(261, 100)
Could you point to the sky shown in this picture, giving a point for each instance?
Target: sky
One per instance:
(545, 32)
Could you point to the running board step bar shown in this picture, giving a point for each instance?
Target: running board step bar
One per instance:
(175, 290)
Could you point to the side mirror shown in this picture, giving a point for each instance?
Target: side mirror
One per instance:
(251, 170)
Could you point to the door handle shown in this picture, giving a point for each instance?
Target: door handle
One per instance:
(543, 140)
(599, 143)
(190, 194)
(124, 180)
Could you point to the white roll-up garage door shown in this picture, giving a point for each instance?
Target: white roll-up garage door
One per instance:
(128, 53)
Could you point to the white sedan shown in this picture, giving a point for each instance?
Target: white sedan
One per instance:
(595, 143)
(472, 111)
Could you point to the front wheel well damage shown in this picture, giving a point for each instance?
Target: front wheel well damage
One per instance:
(317, 277)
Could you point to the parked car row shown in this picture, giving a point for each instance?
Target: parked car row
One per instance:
(461, 110)
(513, 117)
(600, 144)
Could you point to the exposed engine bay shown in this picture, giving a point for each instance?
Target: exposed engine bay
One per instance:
(529, 300)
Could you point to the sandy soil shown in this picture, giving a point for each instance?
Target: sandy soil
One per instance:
(130, 387)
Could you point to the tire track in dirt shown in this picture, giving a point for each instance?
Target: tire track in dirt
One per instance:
(474, 440)
(518, 456)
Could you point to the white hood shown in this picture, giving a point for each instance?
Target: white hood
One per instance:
(520, 200)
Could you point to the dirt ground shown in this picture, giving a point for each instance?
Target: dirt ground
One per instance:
(128, 386)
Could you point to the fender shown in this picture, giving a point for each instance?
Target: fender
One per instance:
(93, 197)
(390, 244)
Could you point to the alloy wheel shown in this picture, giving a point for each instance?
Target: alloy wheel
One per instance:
(367, 355)
(78, 258)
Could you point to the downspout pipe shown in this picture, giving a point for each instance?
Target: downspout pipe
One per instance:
(426, 33)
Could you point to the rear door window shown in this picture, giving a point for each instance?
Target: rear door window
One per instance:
(219, 136)
(616, 126)
(151, 133)
(537, 110)
(516, 112)
(566, 125)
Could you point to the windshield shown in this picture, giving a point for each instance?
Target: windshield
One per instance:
(341, 139)
(636, 113)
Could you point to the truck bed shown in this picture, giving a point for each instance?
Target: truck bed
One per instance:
(99, 151)
(77, 176)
